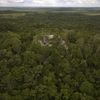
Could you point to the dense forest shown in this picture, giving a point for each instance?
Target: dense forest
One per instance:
(49, 55)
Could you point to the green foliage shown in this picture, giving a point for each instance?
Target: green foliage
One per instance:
(35, 67)
(87, 87)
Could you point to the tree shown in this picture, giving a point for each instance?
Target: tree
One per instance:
(87, 88)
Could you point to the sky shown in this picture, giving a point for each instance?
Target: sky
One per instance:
(50, 3)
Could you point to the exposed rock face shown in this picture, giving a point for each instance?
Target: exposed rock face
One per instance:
(47, 40)
(50, 36)
(43, 40)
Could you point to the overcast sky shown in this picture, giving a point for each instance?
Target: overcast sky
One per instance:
(53, 3)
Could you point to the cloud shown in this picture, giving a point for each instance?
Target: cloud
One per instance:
(45, 2)
(64, 3)
(18, 0)
(81, 1)
(11, 1)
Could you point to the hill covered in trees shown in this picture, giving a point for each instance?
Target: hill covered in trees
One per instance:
(49, 55)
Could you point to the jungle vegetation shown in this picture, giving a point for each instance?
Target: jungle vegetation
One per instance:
(49, 55)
